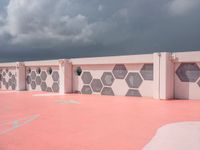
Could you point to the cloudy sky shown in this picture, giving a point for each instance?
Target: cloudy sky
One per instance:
(48, 29)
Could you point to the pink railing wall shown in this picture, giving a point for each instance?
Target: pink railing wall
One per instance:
(158, 75)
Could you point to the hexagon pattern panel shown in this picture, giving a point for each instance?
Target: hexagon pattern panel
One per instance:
(132, 92)
(96, 85)
(86, 77)
(188, 72)
(105, 80)
(107, 91)
(119, 71)
(8, 79)
(147, 71)
(133, 80)
(42, 79)
(198, 83)
(86, 89)
(187, 80)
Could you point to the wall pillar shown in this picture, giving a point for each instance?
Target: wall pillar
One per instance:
(20, 76)
(166, 76)
(163, 76)
(156, 75)
(65, 73)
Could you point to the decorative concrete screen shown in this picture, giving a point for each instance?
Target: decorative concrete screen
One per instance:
(116, 79)
(187, 80)
(8, 78)
(42, 79)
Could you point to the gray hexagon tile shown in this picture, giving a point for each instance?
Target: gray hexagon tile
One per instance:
(55, 76)
(6, 85)
(4, 81)
(55, 87)
(96, 85)
(49, 89)
(132, 92)
(198, 83)
(33, 85)
(86, 89)
(43, 86)
(119, 71)
(107, 91)
(38, 80)
(13, 79)
(9, 74)
(133, 80)
(28, 79)
(147, 71)
(9, 82)
(188, 72)
(107, 78)
(1, 77)
(43, 75)
(86, 77)
(33, 75)
(13, 86)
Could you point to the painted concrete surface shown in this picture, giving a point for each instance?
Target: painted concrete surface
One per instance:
(95, 123)
(176, 136)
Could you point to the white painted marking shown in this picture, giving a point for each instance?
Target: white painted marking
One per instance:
(48, 94)
(18, 123)
(9, 91)
(176, 136)
(68, 102)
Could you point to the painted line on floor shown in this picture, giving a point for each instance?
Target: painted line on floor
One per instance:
(49, 94)
(68, 102)
(9, 92)
(18, 123)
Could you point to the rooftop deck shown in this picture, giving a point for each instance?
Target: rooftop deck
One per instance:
(43, 121)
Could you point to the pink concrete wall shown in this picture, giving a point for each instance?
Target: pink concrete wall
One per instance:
(106, 80)
(159, 75)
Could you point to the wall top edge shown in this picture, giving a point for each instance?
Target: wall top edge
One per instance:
(45, 62)
(192, 56)
(42, 63)
(189, 56)
(13, 64)
(143, 58)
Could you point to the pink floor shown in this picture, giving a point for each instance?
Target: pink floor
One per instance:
(97, 123)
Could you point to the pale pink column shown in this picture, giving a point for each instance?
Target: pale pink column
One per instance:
(65, 72)
(166, 76)
(163, 76)
(156, 75)
(20, 76)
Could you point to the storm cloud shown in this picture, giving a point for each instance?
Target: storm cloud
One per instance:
(47, 29)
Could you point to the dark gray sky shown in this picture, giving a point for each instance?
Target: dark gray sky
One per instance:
(49, 29)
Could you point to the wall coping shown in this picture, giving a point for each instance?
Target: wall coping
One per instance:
(191, 56)
(11, 64)
(126, 59)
